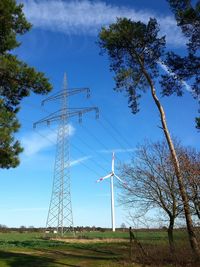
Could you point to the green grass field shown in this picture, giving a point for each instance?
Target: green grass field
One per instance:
(32, 250)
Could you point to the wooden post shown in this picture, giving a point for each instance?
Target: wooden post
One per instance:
(138, 244)
(131, 243)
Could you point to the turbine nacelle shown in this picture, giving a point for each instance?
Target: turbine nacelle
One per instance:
(112, 172)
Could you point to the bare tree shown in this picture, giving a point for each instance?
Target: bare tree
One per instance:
(152, 183)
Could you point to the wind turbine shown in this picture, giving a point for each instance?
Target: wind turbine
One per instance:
(111, 176)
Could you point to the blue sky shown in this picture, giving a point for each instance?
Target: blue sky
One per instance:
(63, 38)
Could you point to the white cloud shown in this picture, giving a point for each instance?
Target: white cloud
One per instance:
(80, 160)
(87, 17)
(36, 141)
(170, 72)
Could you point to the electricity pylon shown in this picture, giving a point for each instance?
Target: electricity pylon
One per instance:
(60, 217)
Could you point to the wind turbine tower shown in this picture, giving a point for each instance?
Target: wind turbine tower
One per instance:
(60, 217)
(111, 176)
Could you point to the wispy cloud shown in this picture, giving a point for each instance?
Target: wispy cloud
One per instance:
(117, 150)
(171, 73)
(79, 161)
(34, 142)
(87, 17)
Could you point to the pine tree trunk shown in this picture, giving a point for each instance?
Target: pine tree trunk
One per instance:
(190, 229)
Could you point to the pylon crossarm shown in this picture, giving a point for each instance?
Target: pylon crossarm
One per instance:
(82, 111)
(52, 98)
(66, 93)
(74, 91)
(52, 117)
(65, 114)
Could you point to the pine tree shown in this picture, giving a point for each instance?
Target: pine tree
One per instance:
(186, 68)
(134, 50)
(17, 80)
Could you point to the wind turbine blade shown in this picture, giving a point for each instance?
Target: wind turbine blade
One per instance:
(120, 180)
(103, 178)
(113, 161)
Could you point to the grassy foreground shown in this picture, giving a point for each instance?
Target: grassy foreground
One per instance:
(32, 250)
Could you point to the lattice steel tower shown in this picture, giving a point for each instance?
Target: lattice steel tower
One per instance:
(60, 217)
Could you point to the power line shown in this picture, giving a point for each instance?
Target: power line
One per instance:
(90, 147)
(116, 140)
(80, 151)
(54, 143)
(107, 130)
(97, 139)
(95, 162)
(89, 168)
(116, 130)
(37, 107)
